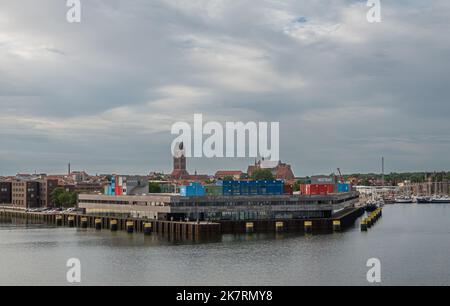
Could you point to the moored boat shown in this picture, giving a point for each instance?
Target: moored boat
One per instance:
(423, 200)
(403, 200)
(440, 200)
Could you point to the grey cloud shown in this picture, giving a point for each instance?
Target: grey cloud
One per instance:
(103, 93)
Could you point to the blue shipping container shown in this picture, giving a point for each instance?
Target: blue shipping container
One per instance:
(236, 188)
(343, 187)
(192, 190)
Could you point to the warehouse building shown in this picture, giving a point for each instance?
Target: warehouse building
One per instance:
(215, 208)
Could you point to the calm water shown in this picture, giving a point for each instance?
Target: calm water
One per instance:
(412, 242)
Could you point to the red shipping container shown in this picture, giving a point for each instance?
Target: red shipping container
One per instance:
(331, 188)
(303, 189)
(118, 189)
(308, 189)
(322, 189)
(318, 189)
(327, 188)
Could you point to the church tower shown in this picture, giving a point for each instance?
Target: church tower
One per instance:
(179, 162)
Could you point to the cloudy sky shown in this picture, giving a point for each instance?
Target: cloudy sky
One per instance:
(104, 93)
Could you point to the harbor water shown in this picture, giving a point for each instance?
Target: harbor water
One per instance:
(412, 242)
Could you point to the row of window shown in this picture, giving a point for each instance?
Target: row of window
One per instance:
(22, 202)
(109, 202)
(246, 203)
(229, 204)
(256, 215)
(133, 214)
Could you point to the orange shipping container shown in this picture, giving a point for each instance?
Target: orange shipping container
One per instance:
(317, 189)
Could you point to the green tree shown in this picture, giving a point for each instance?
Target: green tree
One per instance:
(63, 198)
(154, 187)
(72, 200)
(56, 195)
(262, 175)
(228, 178)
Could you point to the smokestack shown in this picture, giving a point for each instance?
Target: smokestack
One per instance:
(382, 170)
(68, 169)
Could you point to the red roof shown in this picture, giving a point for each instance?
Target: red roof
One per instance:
(225, 173)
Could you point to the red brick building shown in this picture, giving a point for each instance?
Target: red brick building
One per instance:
(236, 175)
(279, 170)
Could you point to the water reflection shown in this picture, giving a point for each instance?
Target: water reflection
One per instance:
(412, 242)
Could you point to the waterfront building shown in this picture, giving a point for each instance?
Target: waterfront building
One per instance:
(25, 193)
(28, 191)
(216, 208)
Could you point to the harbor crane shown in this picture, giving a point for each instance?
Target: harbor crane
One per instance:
(340, 175)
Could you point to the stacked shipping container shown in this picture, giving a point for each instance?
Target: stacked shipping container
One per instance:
(117, 186)
(236, 188)
(321, 185)
(323, 189)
